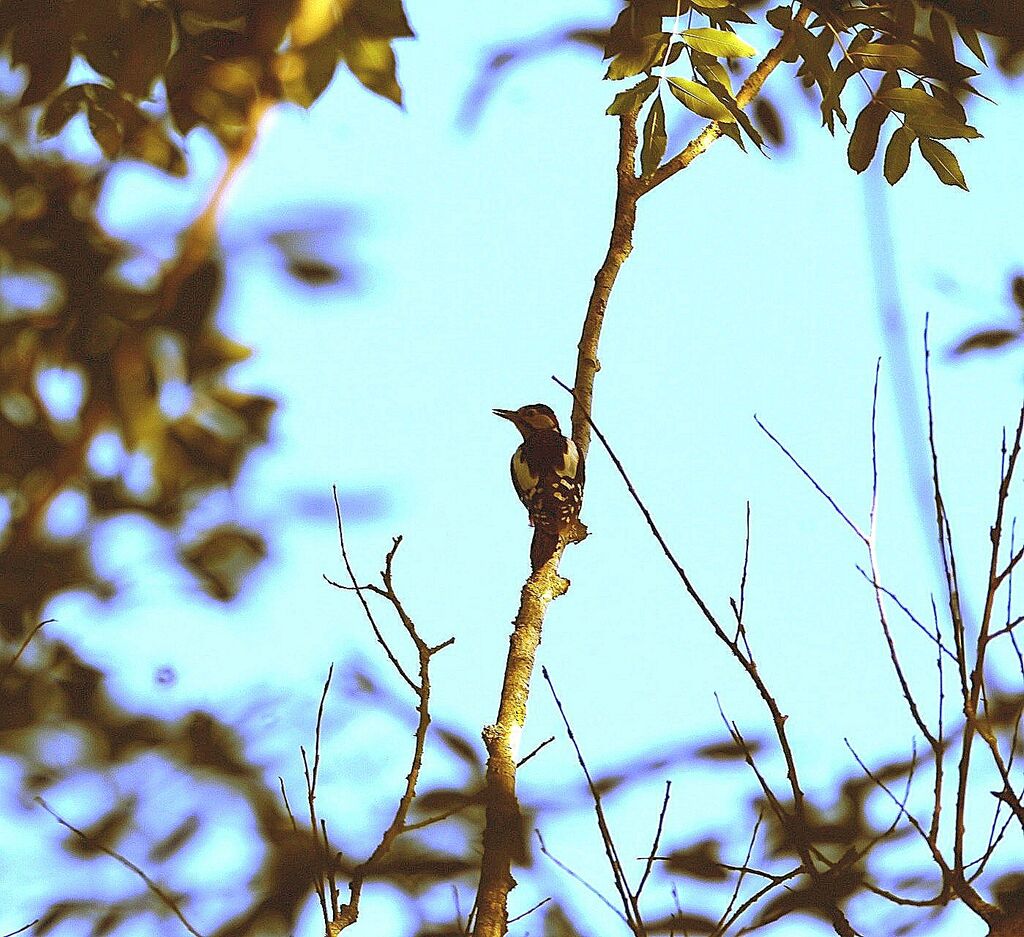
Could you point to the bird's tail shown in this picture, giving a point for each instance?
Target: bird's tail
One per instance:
(543, 546)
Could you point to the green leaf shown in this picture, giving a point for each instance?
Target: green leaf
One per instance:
(60, 110)
(644, 54)
(717, 42)
(732, 131)
(815, 56)
(699, 99)
(941, 35)
(373, 63)
(864, 139)
(655, 138)
(710, 69)
(884, 56)
(943, 162)
(636, 95)
(106, 130)
(911, 101)
(147, 51)
(44, 46)
(897, 154)
(779, 17)
(379, 19)
(970, 38)
(942, 127)
(987, 340)
(742, 118)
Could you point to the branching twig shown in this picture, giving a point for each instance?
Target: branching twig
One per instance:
(127, 863)
(544, 849)
(626, 896)
(347, 914)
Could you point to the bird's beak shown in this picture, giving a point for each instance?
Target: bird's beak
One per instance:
(505, 414)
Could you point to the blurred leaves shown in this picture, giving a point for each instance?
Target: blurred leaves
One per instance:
(215, 60)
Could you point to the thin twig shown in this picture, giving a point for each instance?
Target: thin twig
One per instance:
(544, 849)
(127, 863)
(539, 904)
(628, 898)
(742, 872)
(366, 605)
(20, 651)
(24, 927)
(657, 839)
(792, 458)
(543, 744)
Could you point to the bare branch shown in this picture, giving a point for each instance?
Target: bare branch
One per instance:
(539, 904)
(792, 458)
(127, 863)
(543, 744)
(657, 839)
(628, 898)
(544, 849)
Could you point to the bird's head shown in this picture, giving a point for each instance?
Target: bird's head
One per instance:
(532, 417)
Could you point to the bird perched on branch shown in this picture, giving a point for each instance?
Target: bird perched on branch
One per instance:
(548, 475)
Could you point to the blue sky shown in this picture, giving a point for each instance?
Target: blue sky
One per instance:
(749, 291)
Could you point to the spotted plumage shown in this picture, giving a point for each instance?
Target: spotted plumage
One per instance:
(548, 473)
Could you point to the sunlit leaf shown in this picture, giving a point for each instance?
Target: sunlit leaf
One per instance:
(717, 42)
(644, 54)
(889, 56)
(943, 162)
(699, 99)
(106, 130)
(634, 97)
(655, 138)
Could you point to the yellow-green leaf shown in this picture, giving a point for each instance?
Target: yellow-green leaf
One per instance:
(645, 53)
(911, 101)
(655, 138)
(897, 155)
(942, 127)
(699, 99)
(884, 56)
(635, 96)
(864, 139)
(970, 38)
(717, 42)
(943, 162)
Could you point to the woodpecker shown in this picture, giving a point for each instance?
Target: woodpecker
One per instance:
(548, 475)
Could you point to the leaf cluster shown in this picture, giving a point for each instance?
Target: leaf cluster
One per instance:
(905, 54)
(148, 424)
(204, 62)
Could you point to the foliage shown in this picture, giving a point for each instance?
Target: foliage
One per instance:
(902, 52)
